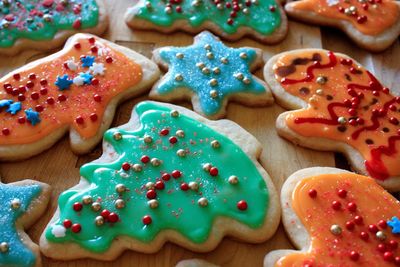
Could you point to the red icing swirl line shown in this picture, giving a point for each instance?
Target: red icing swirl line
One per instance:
(310, 73)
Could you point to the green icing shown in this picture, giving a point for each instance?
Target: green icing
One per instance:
(36, 20)
(178, 210)
(259, 17)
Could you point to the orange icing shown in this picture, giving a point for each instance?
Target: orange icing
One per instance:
(367, 94)
(371, 17)
(120, 74)
(317, 216)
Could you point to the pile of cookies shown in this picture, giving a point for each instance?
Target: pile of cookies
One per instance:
(160, 177)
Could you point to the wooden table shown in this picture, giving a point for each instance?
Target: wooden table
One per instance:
(280, 158)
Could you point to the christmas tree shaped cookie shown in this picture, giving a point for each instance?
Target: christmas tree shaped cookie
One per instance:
(263, 20)
(337, 218)
(167, 175)
(340, 106)
(45, 24)
(22, 203)
(76, 89)
(210, 74)
(372, 24)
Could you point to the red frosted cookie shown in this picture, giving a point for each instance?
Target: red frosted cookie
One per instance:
(372, 24)
(76, 90)
(337, 218)
(339, 106)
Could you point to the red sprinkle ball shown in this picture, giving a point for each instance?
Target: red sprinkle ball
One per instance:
(147, 220)
(67, 223)
(76, 228)
(242, 205)
(312, 193)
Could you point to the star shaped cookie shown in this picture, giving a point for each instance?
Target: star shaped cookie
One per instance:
(76, 90)
(210, 74)
(22, 203)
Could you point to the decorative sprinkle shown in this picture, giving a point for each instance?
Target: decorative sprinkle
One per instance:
(87, 61)
(32, 116)
(63, 82)
(14, 108)
(394, 223)
(97, 69)
(86, 76)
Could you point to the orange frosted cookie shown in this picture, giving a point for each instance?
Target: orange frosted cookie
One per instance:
(372, 24)
(337, 218)
(76, 89)
(340, 106)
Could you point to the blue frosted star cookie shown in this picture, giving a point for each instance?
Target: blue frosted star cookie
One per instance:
(21, 204)
(210, 73)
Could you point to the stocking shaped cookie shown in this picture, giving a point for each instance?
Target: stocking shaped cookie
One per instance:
(343, 107)
(372, 24)
(337, 218)
(22, 203)
(230, 19)
(210, 74)
(76, 89)
(167, 175)
(45, 24)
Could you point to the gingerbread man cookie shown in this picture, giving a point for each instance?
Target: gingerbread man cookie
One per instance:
(46, 24)
(264, 20)
(210, 74)
(337, 218)
(372, 24)
(22, 203)
(340, 106)
(167, 175)
(76, 89)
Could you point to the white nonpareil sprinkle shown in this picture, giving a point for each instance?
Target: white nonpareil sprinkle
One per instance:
(58, 231)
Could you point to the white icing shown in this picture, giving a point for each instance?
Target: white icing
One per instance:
(97, 69)
(58, 231)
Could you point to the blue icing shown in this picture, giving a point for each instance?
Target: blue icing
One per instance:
(14, 108)
(5, 103)
(32, 116)
(197, 81)
(63, 82)
(18, 254)
(87, 77)
(394, 223)
(87, 61)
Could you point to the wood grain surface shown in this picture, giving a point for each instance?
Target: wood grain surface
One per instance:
(59, 167)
